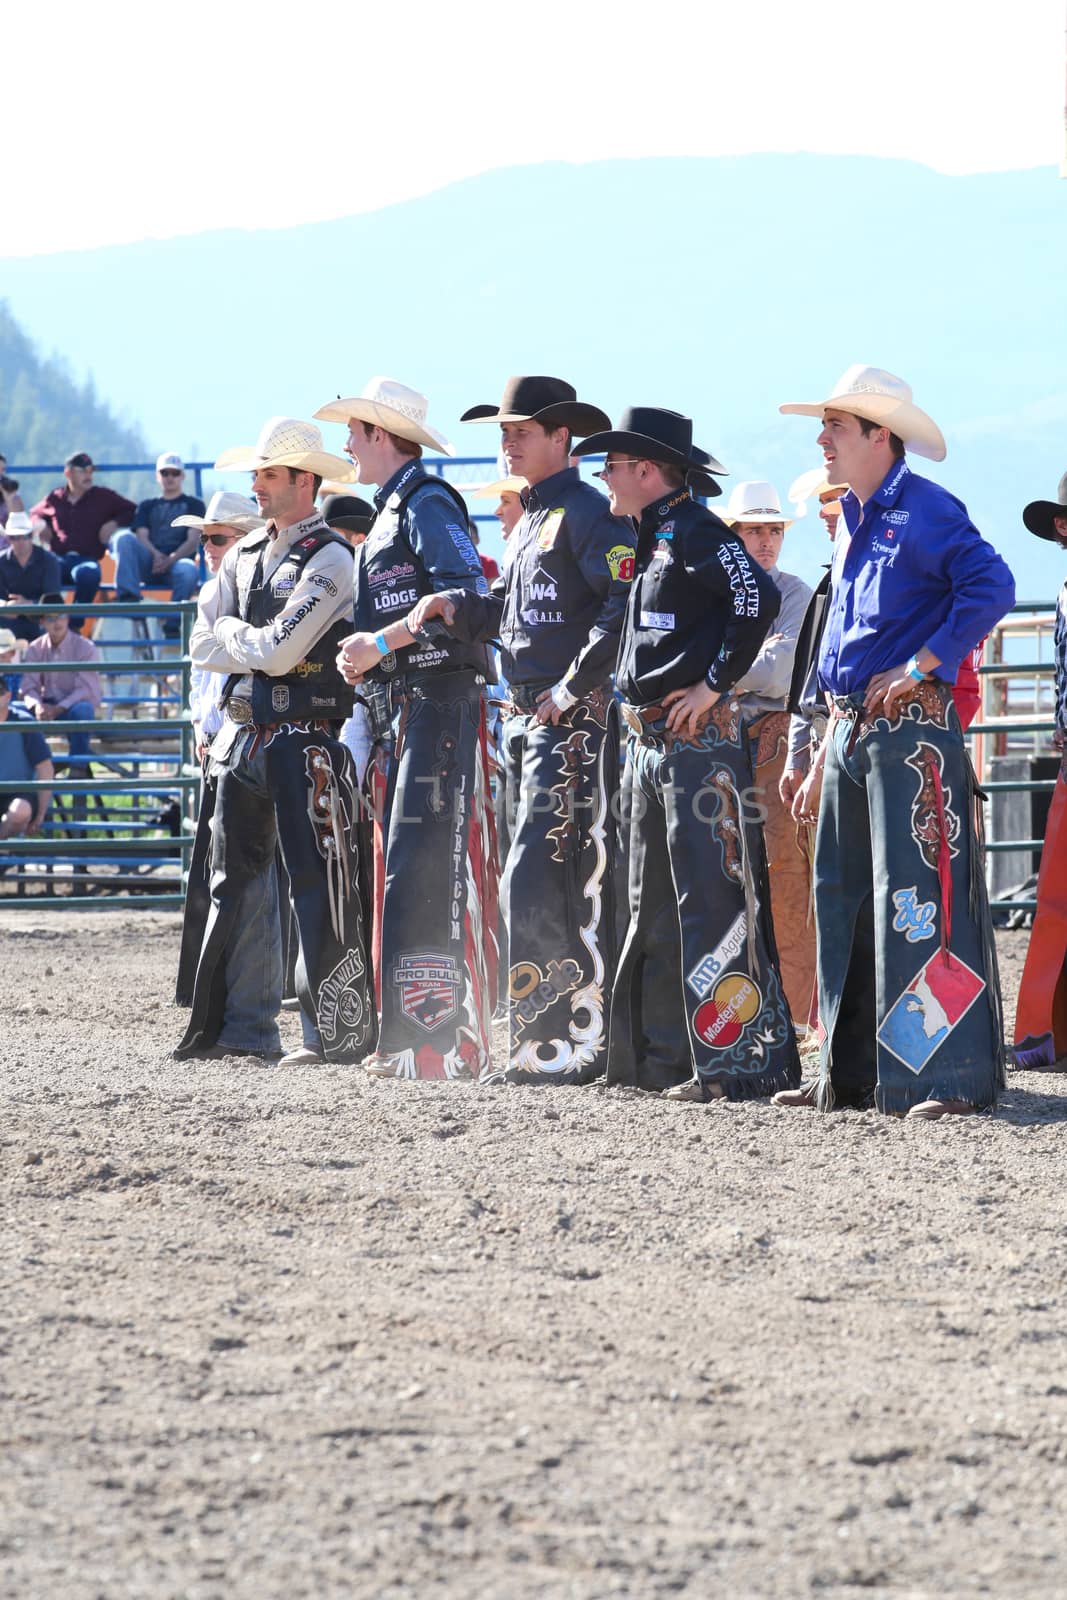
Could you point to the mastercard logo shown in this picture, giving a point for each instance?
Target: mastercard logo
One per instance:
(720, 1020)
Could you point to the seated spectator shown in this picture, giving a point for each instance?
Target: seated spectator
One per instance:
(78, 523)
(61, 696)
(160, 547)
(23, 757)
(27, 571)
(10, 499)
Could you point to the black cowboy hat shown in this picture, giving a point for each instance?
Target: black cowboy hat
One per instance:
(1038, 514)
(549, 401)
(653, 434)
(347, 511)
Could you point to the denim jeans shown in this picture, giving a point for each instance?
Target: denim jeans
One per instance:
(253, 960)
(78, 743)
(133, 569)
(84, 575)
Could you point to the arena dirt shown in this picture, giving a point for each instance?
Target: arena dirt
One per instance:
(291, 1334)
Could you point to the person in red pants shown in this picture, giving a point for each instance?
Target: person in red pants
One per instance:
(1041, 1014)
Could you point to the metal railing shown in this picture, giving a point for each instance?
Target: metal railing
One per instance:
(76, 841)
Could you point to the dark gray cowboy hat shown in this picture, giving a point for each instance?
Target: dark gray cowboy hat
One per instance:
(1038, 514)
(347, 511)
(653, 434)
(549, 401)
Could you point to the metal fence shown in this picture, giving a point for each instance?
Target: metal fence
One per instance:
(120, 841)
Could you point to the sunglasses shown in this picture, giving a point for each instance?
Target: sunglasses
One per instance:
(170, 472)
(218, 539)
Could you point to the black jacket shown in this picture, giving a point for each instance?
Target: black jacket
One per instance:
(557, 610)
(699, 607)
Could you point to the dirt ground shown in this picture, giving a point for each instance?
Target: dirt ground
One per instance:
(306, 1334)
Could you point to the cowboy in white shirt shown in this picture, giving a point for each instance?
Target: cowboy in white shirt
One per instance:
(284, 603)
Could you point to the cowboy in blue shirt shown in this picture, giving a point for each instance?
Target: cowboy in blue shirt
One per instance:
(908, 989)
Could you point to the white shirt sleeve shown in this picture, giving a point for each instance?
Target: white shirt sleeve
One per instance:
(322, 597)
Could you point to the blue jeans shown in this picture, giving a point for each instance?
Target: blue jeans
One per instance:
(133, 569)
(84, 575)
(253, 960)
(78, 743)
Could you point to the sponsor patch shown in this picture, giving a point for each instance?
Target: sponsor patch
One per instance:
(735, 563)
(712, 966)
(283, 584)
(462, 540)
(340, 1003)
(284, 629)
(321, 581)
(279, 697)
(720, 1021)
(899, 519)
(658, 619)
(533, 991)
(666, 532)
(395, 600)
(663, 553)
(620, 560)
(429, 989)
(403, 569)
(546, 536)
(536, 619)
(914, 921)
(934, 1003)
(308, 669)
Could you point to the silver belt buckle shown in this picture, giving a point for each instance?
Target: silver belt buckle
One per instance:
(239, 711)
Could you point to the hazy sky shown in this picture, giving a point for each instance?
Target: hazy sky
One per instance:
(130, 121)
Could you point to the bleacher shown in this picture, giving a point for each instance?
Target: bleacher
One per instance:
(120, 825)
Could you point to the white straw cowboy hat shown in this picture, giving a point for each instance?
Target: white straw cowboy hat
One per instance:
(493, 491)
(18, 526)
(879, 397)
(226, 510)
(754, 502)
(812, 486)
(287, 442)
(387, 404)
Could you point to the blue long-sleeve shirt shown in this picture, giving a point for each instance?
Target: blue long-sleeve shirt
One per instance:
(917, 572)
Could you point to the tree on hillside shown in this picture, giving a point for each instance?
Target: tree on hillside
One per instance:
(44, 415)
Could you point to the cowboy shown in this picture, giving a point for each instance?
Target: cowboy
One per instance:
(283, 606)
(27, 571)
(1041, 1010)
(228, 518)
(697, 1009)
(908, 989)
(805, 701)
(437, 964)
(507, 492)
(754, 513)
(556, 612)
(152, 550)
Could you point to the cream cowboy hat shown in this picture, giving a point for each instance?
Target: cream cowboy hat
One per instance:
(19, 525)
(226, 510)
(287, 442)
(879, 397)
(812, 486)
(493, 491)
(755, 502)
(390, 405)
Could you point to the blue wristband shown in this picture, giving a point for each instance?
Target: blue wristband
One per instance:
(913, 671)
(383, 648)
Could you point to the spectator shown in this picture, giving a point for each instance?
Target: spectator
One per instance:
(78, 523)
(10, 499)
(27, 571)
(23, 757)
(160, 545)
(62, 696)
